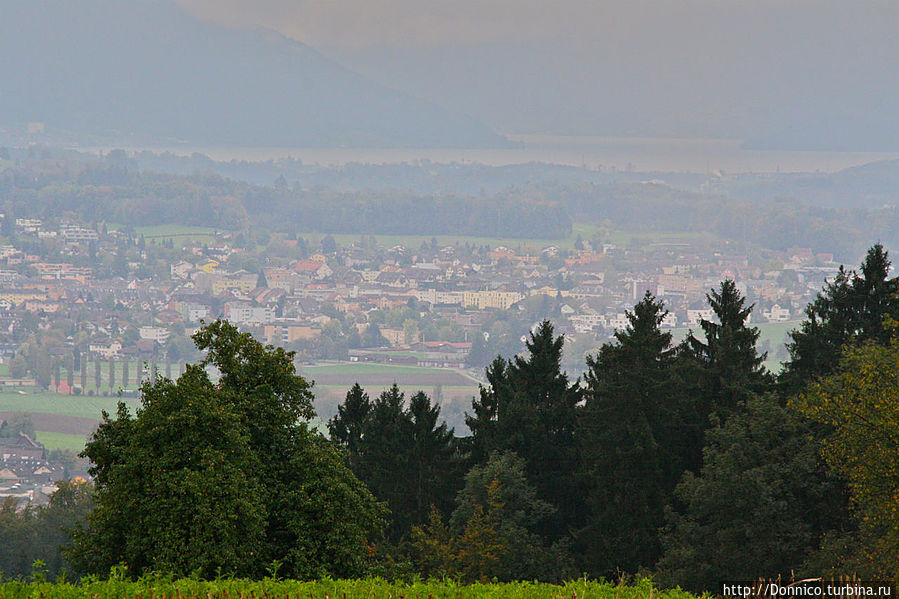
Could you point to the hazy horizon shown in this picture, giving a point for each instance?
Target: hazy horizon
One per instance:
(800, 75)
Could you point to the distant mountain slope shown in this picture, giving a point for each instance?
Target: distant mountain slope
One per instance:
(144, 71)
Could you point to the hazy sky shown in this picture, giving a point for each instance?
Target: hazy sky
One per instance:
(429, 23)
(628, 67)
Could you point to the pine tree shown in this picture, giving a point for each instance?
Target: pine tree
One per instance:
(531, 408)
(730, 366)
(384, 462)
(484, 421)
(631, 444)
(406, 456)
(850, 310)
(435, 468)
(348, 426)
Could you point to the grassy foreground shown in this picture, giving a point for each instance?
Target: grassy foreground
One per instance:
(331, 589)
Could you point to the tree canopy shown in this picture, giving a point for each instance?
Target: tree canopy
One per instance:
(224, 477)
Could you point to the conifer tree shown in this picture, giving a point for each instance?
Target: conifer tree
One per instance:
(755, 509)
(406, 456)
(492, 533)
(530, 408)
(850, 310)
(435, 467)
(730, 366)
(630, 444)
(348, 426)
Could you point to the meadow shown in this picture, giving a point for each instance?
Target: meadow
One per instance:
(176, 233)
(372, 588)
(64, 421)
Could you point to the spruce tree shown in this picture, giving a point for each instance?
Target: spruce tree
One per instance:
(530, 408)
(347, 427)
(435, 467)
(730, 366)
(406, 456)
(850, 310)
(630, 444)
(484, 420)
(384, 462)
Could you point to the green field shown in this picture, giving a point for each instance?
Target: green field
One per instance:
(80, 406)
(177, 233)
(53, 440)
(334, 589)
(583, 230)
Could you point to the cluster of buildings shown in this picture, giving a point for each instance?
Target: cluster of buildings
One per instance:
(291, 297)
(25, 474)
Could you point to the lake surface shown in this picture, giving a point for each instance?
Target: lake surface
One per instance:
(637, 154)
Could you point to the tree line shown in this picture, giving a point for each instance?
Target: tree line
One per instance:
(687, 461)
(112, 192)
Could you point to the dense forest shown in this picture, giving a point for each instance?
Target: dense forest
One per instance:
(115, 189)
(689, 462)
(110, 192)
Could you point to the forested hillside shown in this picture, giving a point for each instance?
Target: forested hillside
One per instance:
(115, 189)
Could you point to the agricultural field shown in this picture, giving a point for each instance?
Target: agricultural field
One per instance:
(50, 440)
(333, 589)
(60, 421)
(585, 231)
(177, 233)
(64, 421)
(72, 406)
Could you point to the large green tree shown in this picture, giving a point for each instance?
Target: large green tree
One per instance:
(730, 365)
(224, 477)
(857, 405)
(173, 493)
(348, 425)
(754, 509)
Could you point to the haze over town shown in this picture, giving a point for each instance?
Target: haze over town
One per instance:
(329, 298)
